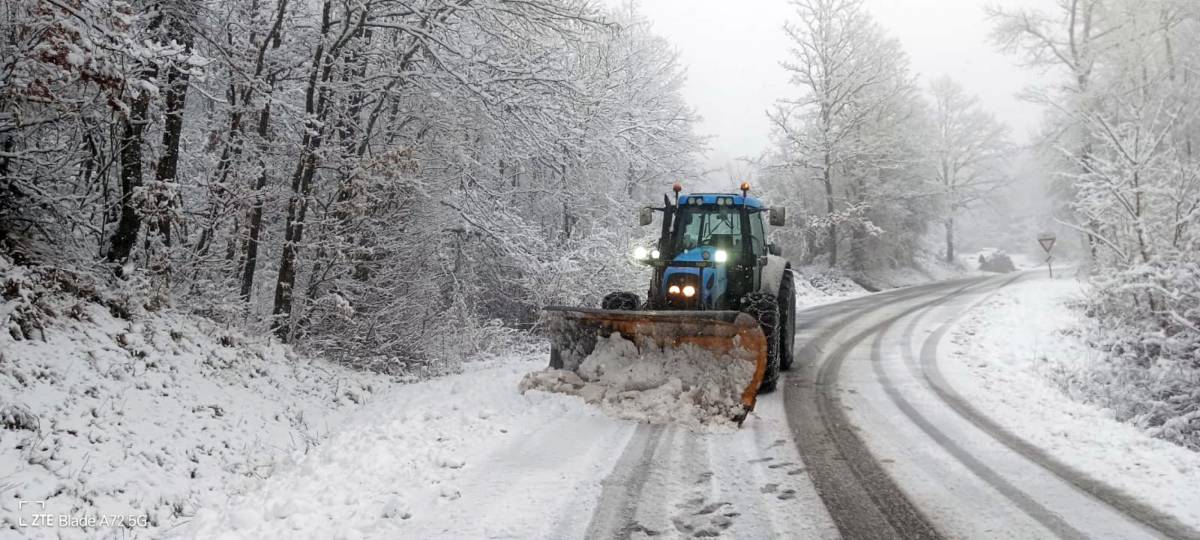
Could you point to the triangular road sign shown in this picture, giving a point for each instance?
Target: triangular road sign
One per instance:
(1046, 240)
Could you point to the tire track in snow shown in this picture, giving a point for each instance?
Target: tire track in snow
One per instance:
(616, 510)
(1136, 510)
(1022, 500)
(861, 498)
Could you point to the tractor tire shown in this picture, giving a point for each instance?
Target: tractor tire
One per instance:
(621, 301)
(764, 307)
(787, 335)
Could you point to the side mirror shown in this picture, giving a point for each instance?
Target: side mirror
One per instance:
(774, 249)
(778, 216)
(645, 216)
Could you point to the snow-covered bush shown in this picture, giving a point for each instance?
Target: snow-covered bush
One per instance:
(1147, 320)
(996, 261)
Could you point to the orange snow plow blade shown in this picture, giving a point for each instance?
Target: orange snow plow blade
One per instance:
(728, 334)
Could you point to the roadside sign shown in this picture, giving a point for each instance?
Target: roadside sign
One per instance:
(1046, 239)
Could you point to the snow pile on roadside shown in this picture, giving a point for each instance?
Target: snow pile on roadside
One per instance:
(104, 412)
(819, 285)
(1008, 358)
(423, 459)
(686, 385)
(927, 267)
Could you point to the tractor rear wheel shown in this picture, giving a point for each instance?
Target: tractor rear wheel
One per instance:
(787, 334)
(764, 307)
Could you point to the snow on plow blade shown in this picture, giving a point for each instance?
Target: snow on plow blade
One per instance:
(727, 334)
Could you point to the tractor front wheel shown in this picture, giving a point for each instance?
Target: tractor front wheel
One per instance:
(764, 307)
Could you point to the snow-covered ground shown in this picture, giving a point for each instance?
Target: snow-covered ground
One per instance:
(817, 286)
(419, 462)
(148, 419)
(468, 456)
(1004, 358)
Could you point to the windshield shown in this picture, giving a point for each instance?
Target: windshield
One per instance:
(715, 226)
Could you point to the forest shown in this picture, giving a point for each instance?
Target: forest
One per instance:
(353, 176)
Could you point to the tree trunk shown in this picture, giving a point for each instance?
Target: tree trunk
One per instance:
(293, 235)
(168, 165)
(250, 261)
(950, 239)
(133, 127)
(314, 108)
(831, 240)
(256, 212)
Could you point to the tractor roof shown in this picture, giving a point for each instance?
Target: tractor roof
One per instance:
(711, 198)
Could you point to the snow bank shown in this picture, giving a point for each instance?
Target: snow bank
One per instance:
(817, 285)
(1010, 357)
(148, 416)
(686, 385)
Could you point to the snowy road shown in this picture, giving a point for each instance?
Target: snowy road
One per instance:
(865, 439)
(877, 445)
(895, 452)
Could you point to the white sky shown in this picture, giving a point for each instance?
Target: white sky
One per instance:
(732, 50)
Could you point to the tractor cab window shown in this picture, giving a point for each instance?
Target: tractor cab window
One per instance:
(714, 226)
(758, 237)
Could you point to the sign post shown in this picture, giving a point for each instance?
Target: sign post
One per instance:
(1046, 239)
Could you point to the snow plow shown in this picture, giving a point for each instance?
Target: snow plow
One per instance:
(717, 323)
(732, 334)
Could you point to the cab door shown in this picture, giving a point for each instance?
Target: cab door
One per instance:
(758, 247)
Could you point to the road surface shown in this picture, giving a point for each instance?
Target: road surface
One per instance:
(863, 440)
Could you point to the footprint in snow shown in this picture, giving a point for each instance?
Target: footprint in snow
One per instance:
(701, 519)
(450, 493)
(711, 508)
(761, 460)
(787, 494)
(636, 527)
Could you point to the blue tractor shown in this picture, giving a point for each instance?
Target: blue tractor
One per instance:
(717, 283)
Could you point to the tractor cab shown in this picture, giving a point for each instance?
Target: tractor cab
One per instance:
(711, 251)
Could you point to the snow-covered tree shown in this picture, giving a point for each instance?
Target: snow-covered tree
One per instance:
(850, 126)
(968, 151)
(354, 175)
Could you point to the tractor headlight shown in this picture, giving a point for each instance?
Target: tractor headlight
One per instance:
(689, 291)
(673, 289)
(640, 253)
(654, 254)
(720, 256)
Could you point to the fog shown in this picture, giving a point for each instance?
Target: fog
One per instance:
(732, 53)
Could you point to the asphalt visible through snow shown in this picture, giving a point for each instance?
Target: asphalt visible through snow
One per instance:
(865, 439)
